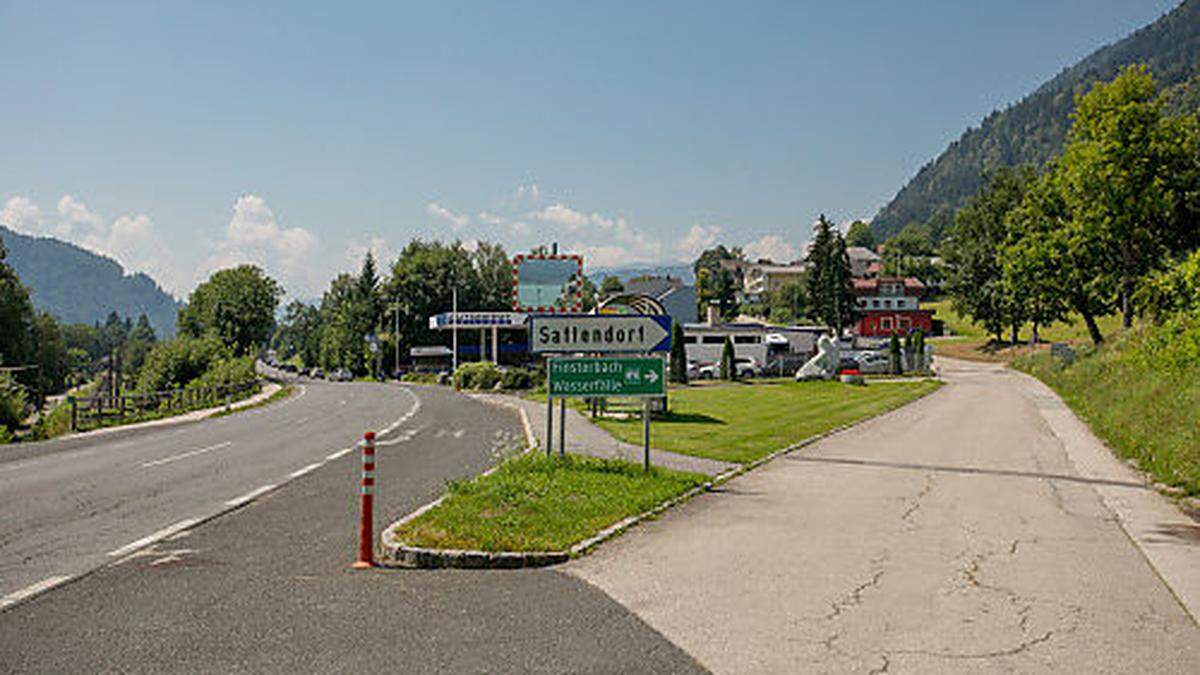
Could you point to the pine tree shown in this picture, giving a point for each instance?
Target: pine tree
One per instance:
(678, 361)
(728, 367)
(830, 280)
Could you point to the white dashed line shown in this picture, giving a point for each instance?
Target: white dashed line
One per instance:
(31, 590)
(250, 496)
(193, 453)
(150, 539)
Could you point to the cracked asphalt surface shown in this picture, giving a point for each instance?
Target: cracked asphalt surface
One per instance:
(953, 535)
(267, 587)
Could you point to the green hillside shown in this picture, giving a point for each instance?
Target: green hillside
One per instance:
(79, 286)
(1033, 130)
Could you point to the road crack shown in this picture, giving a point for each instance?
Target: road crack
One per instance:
(855, 596)
(915, 503)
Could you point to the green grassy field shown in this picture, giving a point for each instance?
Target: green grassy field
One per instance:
(743, 422)
(1141, 394)
(532, 503)
(1071, 330)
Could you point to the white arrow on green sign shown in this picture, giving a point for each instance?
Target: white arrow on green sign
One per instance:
(630, 376)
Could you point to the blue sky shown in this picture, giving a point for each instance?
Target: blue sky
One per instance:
(182, 137)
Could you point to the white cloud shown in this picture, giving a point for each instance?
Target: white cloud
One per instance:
(77, 220)
(20, 214)
(254, 235)
(529, 190)
(561, 214)
(519, 228)
(379, 247)
(771, 247)
(438, 211)
(698, 238)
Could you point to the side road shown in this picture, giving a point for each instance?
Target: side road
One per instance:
(976, 530)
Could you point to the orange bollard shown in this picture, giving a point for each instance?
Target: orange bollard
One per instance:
(366, 526)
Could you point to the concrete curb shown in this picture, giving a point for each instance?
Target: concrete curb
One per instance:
(397, 554)
(268, 390)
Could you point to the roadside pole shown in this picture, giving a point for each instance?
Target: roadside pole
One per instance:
(562, 427)
(366, 525)
(645, 434)
(549, 419)
(454, 334)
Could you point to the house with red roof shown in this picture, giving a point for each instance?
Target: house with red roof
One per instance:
(888, 305)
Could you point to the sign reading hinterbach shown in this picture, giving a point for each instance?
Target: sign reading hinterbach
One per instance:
(600, 333)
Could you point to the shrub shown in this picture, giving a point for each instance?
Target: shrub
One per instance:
(175, 363)
(13, 403)
(516, 378)
(1173, 290)
(225, 372)
(477, 375)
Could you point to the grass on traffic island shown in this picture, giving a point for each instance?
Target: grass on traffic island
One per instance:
(534, 503)
(745, 422)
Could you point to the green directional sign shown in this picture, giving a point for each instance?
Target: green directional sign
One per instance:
(607, 376)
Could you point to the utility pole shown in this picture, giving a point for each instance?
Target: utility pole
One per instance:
(454, 330)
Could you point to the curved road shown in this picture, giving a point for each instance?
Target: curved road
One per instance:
(266, 585)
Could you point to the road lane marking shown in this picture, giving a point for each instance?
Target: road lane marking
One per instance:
(31, 590)
(339, 454)
(150, 539)
(251, 495)
(300, 472)
(193, 453)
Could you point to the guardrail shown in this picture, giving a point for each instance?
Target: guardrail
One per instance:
(102, 408)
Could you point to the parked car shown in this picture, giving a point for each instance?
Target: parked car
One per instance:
(341, 375)
(746, 367)
(316, 373)
(873, 363)
(693, 370)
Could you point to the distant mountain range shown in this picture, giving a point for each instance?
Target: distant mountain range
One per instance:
(79, 286)
(1033, 130)
(625, 273)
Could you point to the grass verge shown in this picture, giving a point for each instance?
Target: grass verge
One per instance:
(284, 391)
(1140, 394)
(534, 503)
(744, 422)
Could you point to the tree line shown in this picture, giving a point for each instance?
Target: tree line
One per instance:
(1090, 231)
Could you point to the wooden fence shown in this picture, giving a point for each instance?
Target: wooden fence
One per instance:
(102, 408)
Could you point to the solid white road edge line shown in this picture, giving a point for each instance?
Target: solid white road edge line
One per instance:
(249, 496)
(300, 472)
(31, 590)
(193, 453)
(339, 454)
(150, 539)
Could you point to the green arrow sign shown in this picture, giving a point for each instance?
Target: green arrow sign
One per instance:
(607, 376)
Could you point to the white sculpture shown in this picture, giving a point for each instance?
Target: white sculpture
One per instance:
(824, 365)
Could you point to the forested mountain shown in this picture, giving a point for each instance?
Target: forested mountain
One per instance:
(1033, 130)
(79, 286)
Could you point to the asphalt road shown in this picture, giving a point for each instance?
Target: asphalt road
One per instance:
(971, 531)
(266, 587)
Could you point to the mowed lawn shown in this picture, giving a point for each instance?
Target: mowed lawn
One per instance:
(743, 422)
(534, 503)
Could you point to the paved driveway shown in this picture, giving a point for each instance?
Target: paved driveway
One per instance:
(955, 535)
